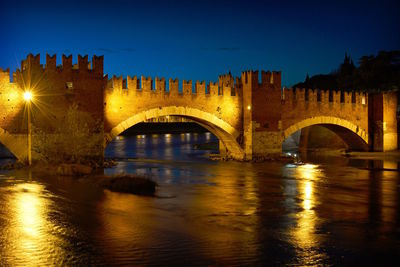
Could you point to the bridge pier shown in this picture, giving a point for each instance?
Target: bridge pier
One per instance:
(383, 121)
(262, 144)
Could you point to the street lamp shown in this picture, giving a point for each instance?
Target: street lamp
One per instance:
(28, 99)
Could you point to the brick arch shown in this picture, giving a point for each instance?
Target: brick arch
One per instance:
(353, 134)
(223, 130)
(16, 144)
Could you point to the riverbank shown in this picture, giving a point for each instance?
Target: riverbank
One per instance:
(388, 155)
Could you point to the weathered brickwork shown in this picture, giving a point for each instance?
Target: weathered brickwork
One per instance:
(251, 114)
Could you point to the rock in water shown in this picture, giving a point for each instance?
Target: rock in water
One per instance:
(130, 184)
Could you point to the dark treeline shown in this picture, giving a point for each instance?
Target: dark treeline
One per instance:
(374, 73)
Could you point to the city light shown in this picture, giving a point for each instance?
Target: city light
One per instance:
(28, 96)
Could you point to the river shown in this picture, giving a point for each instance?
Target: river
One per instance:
(325, 211)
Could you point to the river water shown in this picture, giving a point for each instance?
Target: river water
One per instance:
(327, 211)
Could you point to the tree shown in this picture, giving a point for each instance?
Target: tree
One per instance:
(375, 73)
(345, 73)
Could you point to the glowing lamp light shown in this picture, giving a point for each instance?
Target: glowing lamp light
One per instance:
(248, 107)
(28, 96)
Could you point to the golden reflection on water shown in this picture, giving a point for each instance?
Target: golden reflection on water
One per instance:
(226, 227)
(155, 139)
(29, 211)
(121, 145)
(29, 230)
(168, 139)
(208, 136)
(229, 224)
(389, 197)
(304, 235)
(129, 226)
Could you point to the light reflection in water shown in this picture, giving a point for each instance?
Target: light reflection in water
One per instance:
(304, 235)
(208, 136)
(30, 232)
(388, 180)
(233, 198)
(212, 213)
(167, 138)
(154, 139)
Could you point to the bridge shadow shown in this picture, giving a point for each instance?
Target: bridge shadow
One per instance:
(324, 137)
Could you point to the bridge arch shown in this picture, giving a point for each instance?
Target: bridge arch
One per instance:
(224, 131)
(350, 133)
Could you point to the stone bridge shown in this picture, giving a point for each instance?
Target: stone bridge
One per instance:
(251, 115)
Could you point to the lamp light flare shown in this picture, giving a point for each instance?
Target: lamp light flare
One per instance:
(248, 107)
(28, 96)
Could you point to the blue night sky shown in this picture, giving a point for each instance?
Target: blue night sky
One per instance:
(200, 40)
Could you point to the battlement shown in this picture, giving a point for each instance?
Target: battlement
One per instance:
(269, 79)
(249, 77)
(95, 66)
(200, 86)
(4, 75)
(187, 87)
(30, 61)
(299, 95)
(160, 84)
(51, 62)
(226, 80)
(225, 85)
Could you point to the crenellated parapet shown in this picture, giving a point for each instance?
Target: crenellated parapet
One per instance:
(173, 85)
(4, 76)
(271, 79)
(226, 86)
(307, 96)
(187, 87)
(83, 65)
(160, 84)
(147, 84)
(200, 87)
(30, 61)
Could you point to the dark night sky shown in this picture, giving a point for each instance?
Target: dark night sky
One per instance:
(200, 40)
